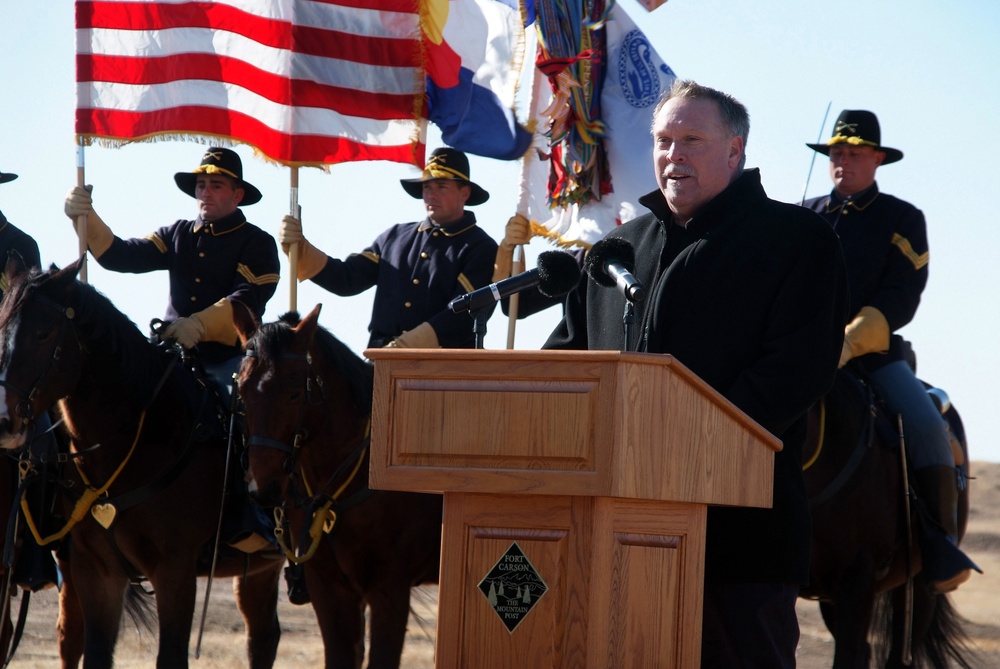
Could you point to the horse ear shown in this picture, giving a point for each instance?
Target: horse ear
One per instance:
(244, 322)
(68, 274)
(308, 324)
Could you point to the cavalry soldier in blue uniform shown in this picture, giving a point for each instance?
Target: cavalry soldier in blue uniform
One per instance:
(884, 240)
(217, 262)
(13, 238)
(34, 569)
(416, 268)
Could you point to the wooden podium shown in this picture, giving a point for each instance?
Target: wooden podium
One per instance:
(575, 492)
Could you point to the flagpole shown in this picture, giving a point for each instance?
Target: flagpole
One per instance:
(813, 161)
(81, 220)
(293, 252)
(522, 204)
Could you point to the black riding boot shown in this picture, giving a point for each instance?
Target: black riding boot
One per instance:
(945, 566)
(247, 527)
(35, 568)
(296, 582)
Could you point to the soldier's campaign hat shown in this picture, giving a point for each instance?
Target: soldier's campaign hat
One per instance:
(858, 127)
(446, 163)
(218, 160)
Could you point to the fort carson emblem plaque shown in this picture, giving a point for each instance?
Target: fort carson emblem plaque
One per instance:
(512, 587)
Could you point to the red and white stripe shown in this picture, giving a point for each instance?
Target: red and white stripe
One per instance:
(306, 82)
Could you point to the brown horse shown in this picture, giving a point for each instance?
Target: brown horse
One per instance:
(308, 410)
(863, 549)
(143, 483)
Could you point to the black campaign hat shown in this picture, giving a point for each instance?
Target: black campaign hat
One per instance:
(446, 163)
(7, 176)
(219, 161)
(859, 128)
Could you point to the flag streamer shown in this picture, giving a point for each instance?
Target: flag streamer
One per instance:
(588, 170)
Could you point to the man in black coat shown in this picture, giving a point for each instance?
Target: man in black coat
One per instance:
(751, 295)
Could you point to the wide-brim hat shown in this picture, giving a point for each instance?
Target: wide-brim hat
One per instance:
(446, 163)
(859, 128)
(218, 160)
(7, 176)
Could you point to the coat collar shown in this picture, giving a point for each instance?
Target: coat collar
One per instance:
(715, 210)
(222, 226)
(464, 224)
(857, 202)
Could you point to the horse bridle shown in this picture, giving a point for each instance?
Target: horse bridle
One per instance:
(291, 448)
(23, 408)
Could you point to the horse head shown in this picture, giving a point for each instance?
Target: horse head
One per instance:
(277, 384)
(40, 347)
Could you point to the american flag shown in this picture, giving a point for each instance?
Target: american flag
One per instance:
(306, 82)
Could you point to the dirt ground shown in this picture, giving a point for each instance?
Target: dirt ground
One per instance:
(222, 645)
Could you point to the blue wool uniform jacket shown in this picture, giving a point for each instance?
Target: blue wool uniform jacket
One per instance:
(751, 297)
(417, 269)
(228, 258)
(885, 248)
(13, 238)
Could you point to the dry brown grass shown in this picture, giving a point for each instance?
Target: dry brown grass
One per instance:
(222, 646)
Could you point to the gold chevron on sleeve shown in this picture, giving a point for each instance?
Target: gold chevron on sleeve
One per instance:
(466, 284)
(374, 257)
(161, 246)
(261, 280)
(903, 244)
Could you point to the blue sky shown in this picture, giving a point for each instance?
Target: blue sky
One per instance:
(930, 71)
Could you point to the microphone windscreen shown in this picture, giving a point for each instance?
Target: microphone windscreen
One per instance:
(558, 273)
(609, 248)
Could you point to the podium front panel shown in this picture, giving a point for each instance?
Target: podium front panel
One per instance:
(622, 583)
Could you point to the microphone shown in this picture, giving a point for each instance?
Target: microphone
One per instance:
(608, 264)
(556, 274)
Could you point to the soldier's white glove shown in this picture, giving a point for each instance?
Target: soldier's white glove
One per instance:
(422, 336)
(311, 259)
(187, 331)
(79, 202)
(517, 231)
(290, 232)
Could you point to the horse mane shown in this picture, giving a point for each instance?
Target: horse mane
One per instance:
(96, 319)
(271, 338)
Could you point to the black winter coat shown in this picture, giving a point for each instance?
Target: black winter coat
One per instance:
(751, 297)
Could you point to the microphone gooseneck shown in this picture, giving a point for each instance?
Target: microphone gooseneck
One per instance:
(556, 274)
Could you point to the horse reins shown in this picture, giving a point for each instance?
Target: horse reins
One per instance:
(103, 513)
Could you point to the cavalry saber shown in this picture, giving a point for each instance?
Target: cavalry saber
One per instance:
(222, 506)
(813, 161)
(907, 653)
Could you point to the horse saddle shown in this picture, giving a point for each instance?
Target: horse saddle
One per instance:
(211, 415)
